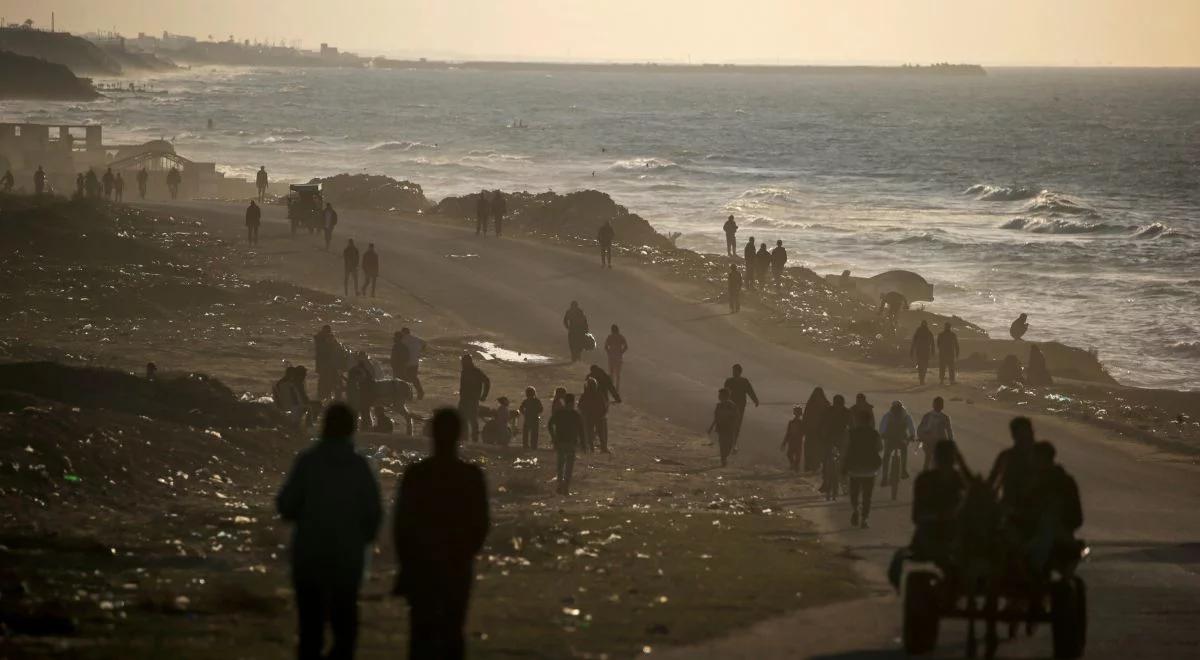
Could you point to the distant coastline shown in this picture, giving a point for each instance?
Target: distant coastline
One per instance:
(650, 67)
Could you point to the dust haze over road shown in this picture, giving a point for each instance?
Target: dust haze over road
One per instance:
(1141, 508)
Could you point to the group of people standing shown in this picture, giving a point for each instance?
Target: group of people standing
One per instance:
(491, 206)
(369, 263)
(759, 265)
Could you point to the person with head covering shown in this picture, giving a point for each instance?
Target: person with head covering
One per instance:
(814, 421)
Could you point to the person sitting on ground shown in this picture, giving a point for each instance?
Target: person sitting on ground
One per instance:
(566, 431)
(862, 411)
(531, 417)
(730, 228)
(498, 429)
(332, 499)
(793, 438)
(1019, 327)
(861, 464)
(1054, 501)
(1038, 374)
(934, 427)
(441, 521)
(1009, 372)
(892, 303)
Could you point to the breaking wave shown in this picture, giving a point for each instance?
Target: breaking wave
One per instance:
(400, 145)
(988, 193)
(1070, 226)
(1048, 203)
(283, 139)
(1185, 349)
(643, 165)
(769, 195)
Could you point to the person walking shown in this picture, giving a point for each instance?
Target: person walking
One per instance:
(109, 182)
(735, 290)
(260, 181)
(740, 390)
(350, 263)
(91, 183)
(174, 178)
(935, 426)
(778, 261)
(531, 417)
(370, 268)
(39, 180)
(473, 387)
(814, 424)
(605, 237)
(441, 522)
(615, 346)
(333, 502)
(834, 434)
(79, 186)
(922, 349)
(253, 220)
(725, 423)
(593, 407)
(483, 209)
(329, 220)
(730, 228)
(947, 345)
(793, 438)
(331, 362)
(119, 187)
(407, 350)
(576, 323)
(566, 432)
(897, 430)
(749, 255)
(143, 179)
(861, 465)
(499, 210)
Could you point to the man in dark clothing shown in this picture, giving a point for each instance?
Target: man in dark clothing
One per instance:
(576, 323)
(329, 220)
(762, 264)
(730, 228)
(350, 260)
(330, 359)
(835, 427)
(1012, 472)
(407, 349)
(921, 349)
(778, 261)
(483, 209)
(109, 181)
(119, 187)
(605, 383)
(260, 180)
(1055, 509)
(937, 495)
(91, 183)
(605, 236)
(499, 209)
(370, 267)
(174, 178)
(473, 387)
(143, 178)
(947, 345)
(740, 390)
(440, 524)
(360, 388)
(39, 180)
(566, 432)
(531, 410)
(253, 220)
(726, 419)
(749, 255)
(332, 498)
(735, 290)
(861, 463)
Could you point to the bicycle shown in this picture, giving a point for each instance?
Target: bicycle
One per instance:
(893, 458)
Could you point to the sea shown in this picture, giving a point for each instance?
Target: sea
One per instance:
(1072, 195)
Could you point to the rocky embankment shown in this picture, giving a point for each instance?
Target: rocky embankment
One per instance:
(23, 77)
(373, 191)
(77, 54)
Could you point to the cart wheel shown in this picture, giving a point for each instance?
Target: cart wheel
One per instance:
(920, 612)
(1068, 617)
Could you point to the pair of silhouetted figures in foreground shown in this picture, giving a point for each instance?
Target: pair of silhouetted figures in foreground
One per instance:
(440, 523)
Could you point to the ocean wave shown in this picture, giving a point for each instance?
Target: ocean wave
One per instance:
(1154, 230)
(769, 195)
(644, 164)
(1189, 349)
(400, 145)
(989, 193)
(1052, 204)
(282, 139)
(1070, 226)
(490, 156)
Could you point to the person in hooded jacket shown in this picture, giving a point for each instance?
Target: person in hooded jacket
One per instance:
(332, 499)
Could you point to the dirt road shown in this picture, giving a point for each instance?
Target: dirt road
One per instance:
(1142, 509)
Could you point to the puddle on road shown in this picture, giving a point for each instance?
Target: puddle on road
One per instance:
(490, 351)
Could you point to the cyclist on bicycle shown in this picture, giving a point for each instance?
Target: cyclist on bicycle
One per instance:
(896, 427)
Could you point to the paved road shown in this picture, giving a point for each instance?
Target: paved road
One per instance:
(1142, 512)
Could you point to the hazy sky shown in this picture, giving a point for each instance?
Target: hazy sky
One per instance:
(1048, 32)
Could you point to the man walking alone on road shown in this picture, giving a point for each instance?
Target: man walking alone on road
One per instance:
(253, 219)
(260, 180)
(740, 390)
(370, 267)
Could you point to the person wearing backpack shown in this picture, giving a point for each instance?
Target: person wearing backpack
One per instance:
(861, 465)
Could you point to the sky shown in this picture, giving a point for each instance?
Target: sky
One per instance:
(996, 32)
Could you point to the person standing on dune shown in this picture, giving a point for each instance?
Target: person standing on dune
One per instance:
(483, 209)
(778, 261)
(730, 228)
(260, 180)
(499, 209)
(605, 237)
(921, 349)
(735, 290)
(370, 268)
(749, 253)
(947, 345)
(350, 260)
(253, 220)
(762, 263)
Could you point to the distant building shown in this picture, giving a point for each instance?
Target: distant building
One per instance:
(328, 51)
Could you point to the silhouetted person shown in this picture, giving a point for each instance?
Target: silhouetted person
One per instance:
(350, 264)
(370, 268)
(1011, 473)
(109, 181)
(473, 387)
(360, 388)
(897, 429)
(605, 237)
(934, 427)
(730, 228)
(862, 411)
(151, 371)
(143, 179)
(91, 183)
(726, 418)
(762, 264)
(576, 323)
(921, 350)
(778, 261)
(1010, 371)
(891, 304)
(814, 425)
(440, 524)
(332, 499)
(861, 464)
(740, 391)
(499, 210)
(735, 290)
(947, 345)
(937, 496)
(835, 429)
(593, 407)
(7, 182)
(1037, 374)
(531, 418)
(1055, 505)
(615, 346)
(1019, 327)
(79, 185)
(174, 178)
(329, 220)
(119, 187)
(260, 181)
(483, 210)
(330, 361)
(253, 220)
(793, 438)
(566, 432)
(749, 255)
(39, 180)
(407, 350)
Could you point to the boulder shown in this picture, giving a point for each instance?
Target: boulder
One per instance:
(373, 191)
